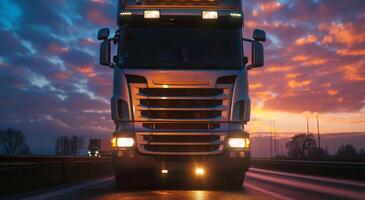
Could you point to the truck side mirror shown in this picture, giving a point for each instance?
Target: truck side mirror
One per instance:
(257, 55)
(259, 35)
(104, 58)
(105, 47)
(103, 34)
(257, 48)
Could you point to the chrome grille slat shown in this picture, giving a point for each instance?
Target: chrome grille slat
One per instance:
(189, 108)
(218, 108)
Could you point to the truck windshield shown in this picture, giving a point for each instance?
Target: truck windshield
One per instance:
(183, 47)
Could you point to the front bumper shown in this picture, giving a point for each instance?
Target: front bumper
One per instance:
(131, 161)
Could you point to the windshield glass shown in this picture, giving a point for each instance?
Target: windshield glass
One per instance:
(183, 47)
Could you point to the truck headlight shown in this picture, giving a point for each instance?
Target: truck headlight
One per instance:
(239, 143)
(124, 142)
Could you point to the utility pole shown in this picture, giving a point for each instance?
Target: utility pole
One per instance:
(319, 138)
(308, 137)
(270, 123)
(275, 138)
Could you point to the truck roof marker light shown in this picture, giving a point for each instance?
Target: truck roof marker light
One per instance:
(151, 14)
(165, 171)
(235, 14)
(210, 15)
(126, 13)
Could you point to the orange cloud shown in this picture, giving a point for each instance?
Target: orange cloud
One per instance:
(57, 49)
(270, 6)
(293, 84)
(351, 52)
(354, 72)
(292, 75)
(98, 17)
(343, 33)
(332, 92)
(86, 70)
(255, 86)
(306, 40)
(275, 68)
(307, 61)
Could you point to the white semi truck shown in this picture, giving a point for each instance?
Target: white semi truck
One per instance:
(180, 90)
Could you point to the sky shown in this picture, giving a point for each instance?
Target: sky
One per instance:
(51, 83)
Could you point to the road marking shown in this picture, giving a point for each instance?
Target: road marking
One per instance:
(317, 178)
(308, 186)
(68, 189)
(267, 192)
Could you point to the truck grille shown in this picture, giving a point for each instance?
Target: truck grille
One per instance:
(180, 121)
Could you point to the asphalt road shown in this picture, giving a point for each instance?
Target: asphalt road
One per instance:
(259, 184)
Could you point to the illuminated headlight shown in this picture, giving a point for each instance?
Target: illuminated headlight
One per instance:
(210, 15)
(241, 143)
(151, 14)
(96, 152)
(124, 142)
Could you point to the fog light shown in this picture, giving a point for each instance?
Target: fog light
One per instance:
(164, 171)
(131, 154)
(199, 171)
(242, 154)
(125, 142)
(120, 153)
(151, 14)
(232, 154)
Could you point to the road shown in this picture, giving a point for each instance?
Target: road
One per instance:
(259, 184)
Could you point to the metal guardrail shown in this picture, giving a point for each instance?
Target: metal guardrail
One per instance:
(347, 170)
(22, 173)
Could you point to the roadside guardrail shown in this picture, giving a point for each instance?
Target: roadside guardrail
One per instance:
(346, 170)
(22, 173)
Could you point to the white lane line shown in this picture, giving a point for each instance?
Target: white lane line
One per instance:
(67, 190)
(317, 178)
(267, 192)
(308, 186)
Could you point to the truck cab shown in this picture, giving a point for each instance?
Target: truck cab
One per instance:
(180, 90)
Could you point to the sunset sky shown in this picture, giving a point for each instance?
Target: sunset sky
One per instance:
(51, 84)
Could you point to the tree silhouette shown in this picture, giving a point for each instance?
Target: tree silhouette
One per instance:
(13, 142)
(346, 152)
(298, 146)
(69, 145)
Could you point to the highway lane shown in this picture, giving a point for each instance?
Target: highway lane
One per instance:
(259, 184)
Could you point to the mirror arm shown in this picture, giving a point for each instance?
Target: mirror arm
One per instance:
(249, 67)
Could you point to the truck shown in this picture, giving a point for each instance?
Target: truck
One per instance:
(99, 148)
(180, 99)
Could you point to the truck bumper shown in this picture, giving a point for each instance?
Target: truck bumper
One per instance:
(131, 161)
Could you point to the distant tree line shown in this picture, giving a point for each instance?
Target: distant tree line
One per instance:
(66, 145)
(301, 146)
(13, 142)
